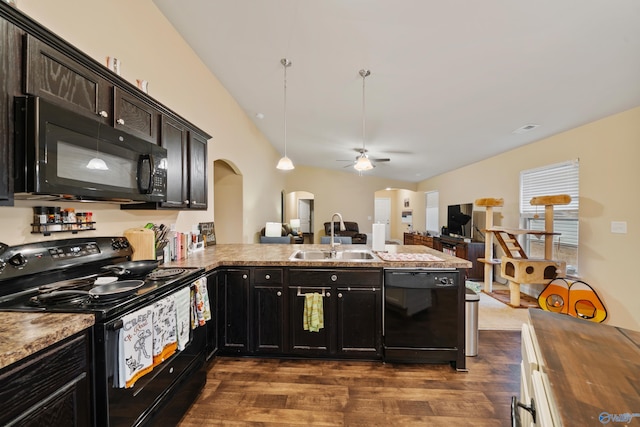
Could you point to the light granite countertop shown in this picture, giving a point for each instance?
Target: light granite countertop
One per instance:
(23, 334)
(278, 255)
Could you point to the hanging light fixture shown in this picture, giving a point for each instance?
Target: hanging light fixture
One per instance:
(285, 163)
(363, 163)
(97, 163)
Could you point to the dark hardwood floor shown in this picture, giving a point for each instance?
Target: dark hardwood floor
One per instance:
(270, 392)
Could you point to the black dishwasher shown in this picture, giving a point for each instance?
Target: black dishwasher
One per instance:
(424, 316)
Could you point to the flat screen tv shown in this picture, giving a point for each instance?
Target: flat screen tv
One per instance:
(459, 220)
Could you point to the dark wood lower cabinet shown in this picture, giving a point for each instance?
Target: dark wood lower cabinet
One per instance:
(304, 342)
(52, 385)
(359, 322)
(352, 306)
(233, 310)
(261, 312)
(268, 318)
(211, 346)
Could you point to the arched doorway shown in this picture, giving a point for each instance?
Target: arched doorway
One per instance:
(300, 205)
(227, 202)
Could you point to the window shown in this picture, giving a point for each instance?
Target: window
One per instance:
(560, 178)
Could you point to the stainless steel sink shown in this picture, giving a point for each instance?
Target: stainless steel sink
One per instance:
(325, 255)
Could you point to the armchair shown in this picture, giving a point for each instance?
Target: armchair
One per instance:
(352, 231)
(286, 231)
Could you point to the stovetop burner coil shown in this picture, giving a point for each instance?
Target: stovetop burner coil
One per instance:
(165, 273)
(81, 283)
(56, 299)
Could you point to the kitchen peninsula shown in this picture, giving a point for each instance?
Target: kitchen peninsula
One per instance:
(257, 294)
(45, 329)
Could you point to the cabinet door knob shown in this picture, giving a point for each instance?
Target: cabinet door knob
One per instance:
(103, 114)
(334, 277)
(267, 277)
(279, 293)
(328, 294)
(244, 276)
(120, 121)
(186, 202)
(339, 294)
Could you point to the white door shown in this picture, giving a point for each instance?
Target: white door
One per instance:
(304, 213)
(382, 215)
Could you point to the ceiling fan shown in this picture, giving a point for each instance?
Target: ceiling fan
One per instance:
(363, 152)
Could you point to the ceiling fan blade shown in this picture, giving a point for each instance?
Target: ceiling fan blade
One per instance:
(380, 160)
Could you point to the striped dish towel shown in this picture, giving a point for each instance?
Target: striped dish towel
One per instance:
(313, 315)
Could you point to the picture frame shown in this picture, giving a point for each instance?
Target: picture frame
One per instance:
(406, 202)
(208, 230)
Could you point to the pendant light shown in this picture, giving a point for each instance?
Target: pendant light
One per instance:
(285, 163)
(97, 163)
(363, 163)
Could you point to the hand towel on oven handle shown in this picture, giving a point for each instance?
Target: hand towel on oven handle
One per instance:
(135, 347)
(183, 316)
(165, 341)
(202, 309)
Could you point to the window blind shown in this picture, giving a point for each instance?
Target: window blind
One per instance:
(559, 178)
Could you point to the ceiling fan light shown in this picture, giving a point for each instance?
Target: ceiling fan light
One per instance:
(363, 164)
(285, 164)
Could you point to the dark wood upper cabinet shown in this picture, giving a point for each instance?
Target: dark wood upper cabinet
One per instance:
(197, 171)
(10, 85)
(34, 61)
(135, 116)
(52, 75)
(174, 140)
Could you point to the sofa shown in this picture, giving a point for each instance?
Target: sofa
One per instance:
(286, 231)
(352, 231)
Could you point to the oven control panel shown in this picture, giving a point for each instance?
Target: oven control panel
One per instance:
(420, 278)
(38, 257)
(74, 251)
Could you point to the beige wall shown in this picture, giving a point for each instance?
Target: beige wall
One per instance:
(336, 191)
(608, 150)
(416, 206)
(149, 48)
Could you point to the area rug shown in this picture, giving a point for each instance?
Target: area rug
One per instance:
(494, 315)
(504, 296)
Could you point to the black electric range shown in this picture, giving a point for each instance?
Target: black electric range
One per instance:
(32, 272)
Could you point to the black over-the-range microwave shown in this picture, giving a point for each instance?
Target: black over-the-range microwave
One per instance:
(68, 156)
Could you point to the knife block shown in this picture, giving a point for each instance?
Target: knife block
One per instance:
(143, 243)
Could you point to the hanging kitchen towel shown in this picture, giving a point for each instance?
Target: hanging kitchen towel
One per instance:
(164, 329)
(135, 347)
(313, 313)
(202, 308)
(183, 316)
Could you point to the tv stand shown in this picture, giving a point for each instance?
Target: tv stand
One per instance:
(455, 246)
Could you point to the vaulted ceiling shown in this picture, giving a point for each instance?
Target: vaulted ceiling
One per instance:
(450, 80)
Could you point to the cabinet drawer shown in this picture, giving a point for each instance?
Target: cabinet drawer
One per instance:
(345, 277)
(268, 276)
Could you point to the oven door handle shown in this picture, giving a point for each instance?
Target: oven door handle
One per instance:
(115, 325)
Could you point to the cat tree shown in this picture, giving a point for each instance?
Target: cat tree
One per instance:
(515, 265)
